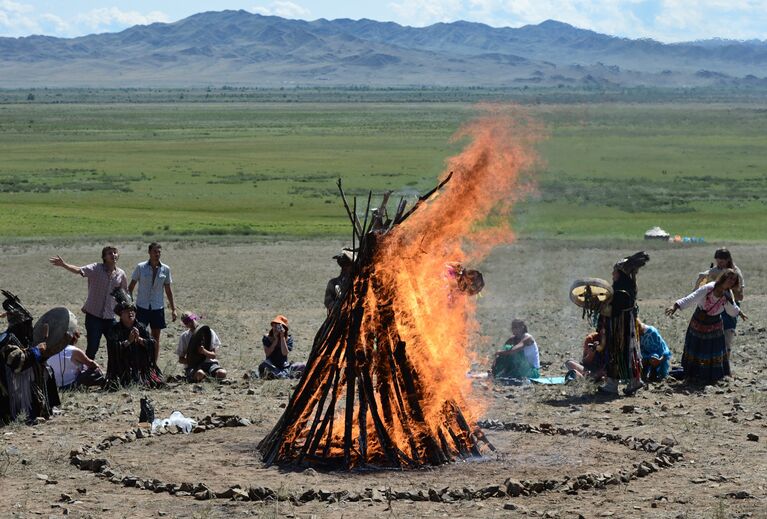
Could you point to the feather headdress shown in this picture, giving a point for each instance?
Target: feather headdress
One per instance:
(123, 300)
(630, 265)
(19, 319)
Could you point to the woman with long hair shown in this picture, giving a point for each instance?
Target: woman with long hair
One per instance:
(705, 358)
(723, 260)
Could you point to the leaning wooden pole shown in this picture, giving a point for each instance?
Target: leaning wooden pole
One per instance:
(360, 401)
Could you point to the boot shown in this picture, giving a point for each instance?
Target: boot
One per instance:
(147, 411)
(610, 387)
(634, 386)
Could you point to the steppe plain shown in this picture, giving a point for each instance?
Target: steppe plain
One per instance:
(242, 195)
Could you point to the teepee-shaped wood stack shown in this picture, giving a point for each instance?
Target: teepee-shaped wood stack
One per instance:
(360, 401)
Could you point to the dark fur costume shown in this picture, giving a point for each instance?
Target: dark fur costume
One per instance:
(27, 385)
(131, 363)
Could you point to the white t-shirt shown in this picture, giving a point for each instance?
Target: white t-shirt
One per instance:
(532, 354)
(183, 342)
(65, 369)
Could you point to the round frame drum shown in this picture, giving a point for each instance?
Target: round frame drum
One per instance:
(62, 324)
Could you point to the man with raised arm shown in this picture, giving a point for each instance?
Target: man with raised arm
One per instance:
(102, 278)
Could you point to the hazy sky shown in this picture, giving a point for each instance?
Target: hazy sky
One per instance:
(664, 20)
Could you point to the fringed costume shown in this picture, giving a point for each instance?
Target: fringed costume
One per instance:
(621, 337)
(130, 357)
(27, 386)
(619, 327)
(129, 362)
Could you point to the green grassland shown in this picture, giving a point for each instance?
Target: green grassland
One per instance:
(166, 169)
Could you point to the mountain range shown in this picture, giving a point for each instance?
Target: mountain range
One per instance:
(238, 48)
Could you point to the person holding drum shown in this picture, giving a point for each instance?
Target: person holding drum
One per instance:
(198, 350)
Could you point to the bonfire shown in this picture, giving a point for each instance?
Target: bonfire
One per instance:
(385, 384)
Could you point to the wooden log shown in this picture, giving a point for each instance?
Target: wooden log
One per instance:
(459, 444)
(433, 451)
(425, 197)
(301, 400)
(464, 425)
(365, 224)
(362, 422)
(408, 378)
(404, 417)
(383, 436)
(350, 358)
(351, 379)
(400, 211)
(318, 413)
(382, 208)
(352, 216)
(330, 415)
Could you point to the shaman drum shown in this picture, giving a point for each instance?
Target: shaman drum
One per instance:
(591, 292)
(62, 324)
(201, 337)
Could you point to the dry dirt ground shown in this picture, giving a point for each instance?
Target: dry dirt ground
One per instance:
(239, 287)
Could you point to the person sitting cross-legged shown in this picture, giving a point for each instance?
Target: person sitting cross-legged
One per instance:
(519, 358)
(198, 350)
(278, 343)
(130, 349)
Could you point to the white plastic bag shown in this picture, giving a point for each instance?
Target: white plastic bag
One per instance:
(176, 418)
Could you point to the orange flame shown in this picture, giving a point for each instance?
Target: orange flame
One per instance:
(386, 381)
(462, 223)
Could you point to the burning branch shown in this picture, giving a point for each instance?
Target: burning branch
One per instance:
(385, 382)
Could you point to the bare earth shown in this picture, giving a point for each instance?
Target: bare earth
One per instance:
(238, 288)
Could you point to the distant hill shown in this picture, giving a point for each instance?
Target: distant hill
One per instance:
(239, 48)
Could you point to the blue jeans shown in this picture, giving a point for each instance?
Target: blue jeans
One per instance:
(95, 327)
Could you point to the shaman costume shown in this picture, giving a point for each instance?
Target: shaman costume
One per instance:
(130, 361)
(27, 387)
(619, 328)
(621, 337)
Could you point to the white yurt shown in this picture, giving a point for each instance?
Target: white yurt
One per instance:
(656, 233)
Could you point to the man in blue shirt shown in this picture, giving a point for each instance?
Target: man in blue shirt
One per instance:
(153, 278)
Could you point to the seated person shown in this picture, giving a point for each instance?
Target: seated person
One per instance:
(72, 367)
(202, 360)
(656, 356)
(27, 387)
(519, 357)
(594, 362)
(278, 343)
(130, 349)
